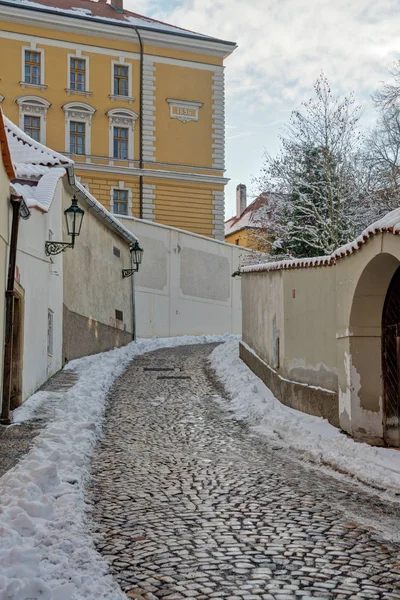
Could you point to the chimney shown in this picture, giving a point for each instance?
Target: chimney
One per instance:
(241, 199)
(118, 5)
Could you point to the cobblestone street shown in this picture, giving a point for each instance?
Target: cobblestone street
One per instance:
(188, 503)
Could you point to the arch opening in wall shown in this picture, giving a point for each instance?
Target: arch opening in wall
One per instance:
(364, 363)
(391, 362)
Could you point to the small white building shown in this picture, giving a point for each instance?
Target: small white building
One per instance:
(65, 305)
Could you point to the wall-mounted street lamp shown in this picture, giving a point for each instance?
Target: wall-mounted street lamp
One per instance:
(73, 217)
(137, 255)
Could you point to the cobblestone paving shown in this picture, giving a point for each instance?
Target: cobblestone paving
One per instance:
(16, 440)
(187, 503)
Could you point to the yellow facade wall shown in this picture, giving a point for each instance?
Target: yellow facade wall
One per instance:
(192, 140)
(184, 148)
(247, 238)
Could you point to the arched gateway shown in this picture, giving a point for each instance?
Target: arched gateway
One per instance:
(391, 362)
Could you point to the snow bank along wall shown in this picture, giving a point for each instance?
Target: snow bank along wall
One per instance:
(97, 313)
(185, 284)
(314, 336)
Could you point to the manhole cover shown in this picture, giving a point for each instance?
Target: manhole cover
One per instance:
(174, 377)
(159, 369)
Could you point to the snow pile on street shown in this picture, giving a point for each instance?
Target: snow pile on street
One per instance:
(311, 437)
(46, 552)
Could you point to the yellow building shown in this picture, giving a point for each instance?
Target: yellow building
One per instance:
(138, 105)
(248, 228)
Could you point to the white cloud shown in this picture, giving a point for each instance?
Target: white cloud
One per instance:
(282, 47)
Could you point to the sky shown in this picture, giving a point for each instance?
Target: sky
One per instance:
(283, 45)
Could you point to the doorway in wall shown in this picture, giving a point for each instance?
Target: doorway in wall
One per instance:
(17, 354)
(391, 362)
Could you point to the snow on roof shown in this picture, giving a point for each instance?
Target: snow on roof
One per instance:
(30, 158)
(88, 9)
(104, 213)
(5, 149)
(248, 218)
(34, 161)
(41, 195)
(390, 223)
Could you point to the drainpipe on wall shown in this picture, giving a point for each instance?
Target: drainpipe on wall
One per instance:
(140, 124)
(17, 203)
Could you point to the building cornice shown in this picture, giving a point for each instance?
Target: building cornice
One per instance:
(121, 31)
(152, 173)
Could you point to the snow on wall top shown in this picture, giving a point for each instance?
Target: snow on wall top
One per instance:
(390, 223)
(30, 158)
(88, 9)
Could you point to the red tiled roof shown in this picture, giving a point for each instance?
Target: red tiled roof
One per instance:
(246, 218)
(91, 9)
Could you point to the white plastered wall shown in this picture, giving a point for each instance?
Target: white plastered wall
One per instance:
(41, 281)
(185, 284)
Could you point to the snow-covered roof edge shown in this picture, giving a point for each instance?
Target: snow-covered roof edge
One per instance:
(5, 148)
(99, 210)
(390, 223)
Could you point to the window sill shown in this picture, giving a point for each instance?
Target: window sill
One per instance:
(38, 86)
(129, 99)
(71, 91)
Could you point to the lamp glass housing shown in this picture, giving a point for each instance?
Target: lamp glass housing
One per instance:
(137, 253)
(74, 216)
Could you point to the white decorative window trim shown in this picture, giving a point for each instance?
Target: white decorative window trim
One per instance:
(121, 186)
(122, 63)
(36, 107)
(121, 117)
(24, 84)
(68, 89)
(184, 110)
(82, 113)
(129, 99)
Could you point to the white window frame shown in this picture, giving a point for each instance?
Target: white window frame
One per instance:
(33, 106)
(121, 117)
(121, 186)
(81, 113)
(121, 62)
(68, 89)
(24, 84)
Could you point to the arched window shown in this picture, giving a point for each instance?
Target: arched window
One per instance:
(33, 116)
(121, 133)
(78, 123)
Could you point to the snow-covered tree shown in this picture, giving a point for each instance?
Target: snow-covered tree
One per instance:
(316, 185)
(382, 147)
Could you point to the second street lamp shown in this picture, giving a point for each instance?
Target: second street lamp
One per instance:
(137, 255)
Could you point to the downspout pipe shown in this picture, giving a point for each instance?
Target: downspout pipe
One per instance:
(17, 203)
(140, 123)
